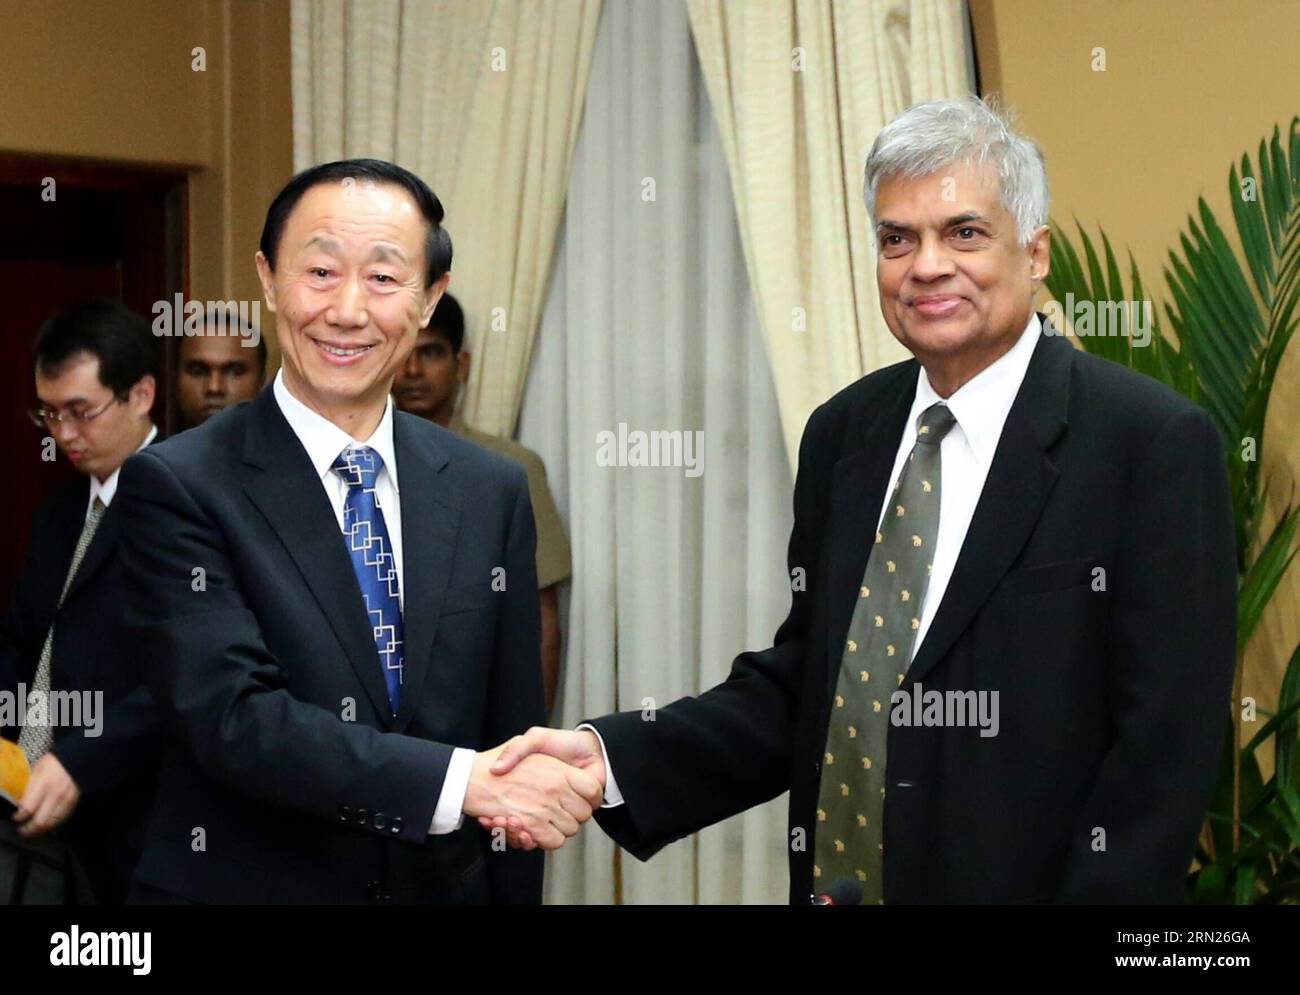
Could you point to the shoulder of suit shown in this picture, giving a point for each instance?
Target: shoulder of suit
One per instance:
(465, 455)
(1124, 398)
(862, 395)
(208, 448)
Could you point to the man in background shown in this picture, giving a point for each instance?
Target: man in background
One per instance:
(218, 368)
(94, 367)
(429, 385)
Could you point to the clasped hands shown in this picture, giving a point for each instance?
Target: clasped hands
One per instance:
(539, 787)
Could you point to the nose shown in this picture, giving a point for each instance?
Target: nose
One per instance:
(349, 306)
(62, 431)
(216, 382)
(932, 261)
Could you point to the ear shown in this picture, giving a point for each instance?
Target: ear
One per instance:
(267, 277)
(463, 361)
(431, 298)
(1040, 255)
(142, 394)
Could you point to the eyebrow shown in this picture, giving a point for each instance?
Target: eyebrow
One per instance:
(388, 253)
(885, 224)
(385, 252)
(324, 242)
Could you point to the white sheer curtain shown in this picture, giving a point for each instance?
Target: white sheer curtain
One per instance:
(650, 322)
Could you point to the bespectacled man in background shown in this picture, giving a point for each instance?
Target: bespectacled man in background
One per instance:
(94, 366)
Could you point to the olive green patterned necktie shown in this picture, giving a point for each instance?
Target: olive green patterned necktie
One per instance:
(886, 617)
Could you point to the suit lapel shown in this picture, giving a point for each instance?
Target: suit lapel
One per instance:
(1017, 487)
(857, 492)
(280, 480)
(101, 547)
(431, 509)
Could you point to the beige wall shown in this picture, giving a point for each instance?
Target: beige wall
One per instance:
(114, 81)
(1189, 86)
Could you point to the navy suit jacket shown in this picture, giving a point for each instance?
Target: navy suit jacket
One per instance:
(1113, 695)
(287, 778)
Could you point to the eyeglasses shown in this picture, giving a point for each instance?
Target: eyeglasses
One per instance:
(45, 417)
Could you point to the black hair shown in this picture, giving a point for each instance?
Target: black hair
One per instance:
(449, 320)
(107, 329)
(437, 246)
(229, 319)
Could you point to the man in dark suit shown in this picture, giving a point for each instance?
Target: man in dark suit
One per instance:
(63, 636)
(337, 602)
(1055, 559)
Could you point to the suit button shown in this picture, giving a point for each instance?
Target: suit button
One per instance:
(345, 813)
(363, 816)
(379, 821)
(396, 827)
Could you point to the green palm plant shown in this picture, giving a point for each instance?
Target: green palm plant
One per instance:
(1228, 326)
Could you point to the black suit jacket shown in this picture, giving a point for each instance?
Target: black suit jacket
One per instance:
(289, 780)
(1112, 701)
(92, 651)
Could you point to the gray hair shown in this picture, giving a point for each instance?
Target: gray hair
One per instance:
(967, 130)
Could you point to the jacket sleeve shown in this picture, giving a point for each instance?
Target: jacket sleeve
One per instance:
(220, 689)
(1174, 591)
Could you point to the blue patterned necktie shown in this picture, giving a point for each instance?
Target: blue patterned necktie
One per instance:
(372, 560)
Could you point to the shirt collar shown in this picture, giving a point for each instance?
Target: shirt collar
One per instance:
(981, 405)
(324, 440)
(105, 491)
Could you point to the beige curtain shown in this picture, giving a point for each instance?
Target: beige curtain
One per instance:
(480, 98)
(800, 90)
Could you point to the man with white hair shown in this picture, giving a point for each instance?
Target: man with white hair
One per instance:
(1006, 676)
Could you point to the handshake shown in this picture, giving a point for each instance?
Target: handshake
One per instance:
(539, 787)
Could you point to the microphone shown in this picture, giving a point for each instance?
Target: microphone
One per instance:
(843, 891)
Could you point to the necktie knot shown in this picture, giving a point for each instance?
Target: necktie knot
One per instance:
(936, 420)
(359, 466)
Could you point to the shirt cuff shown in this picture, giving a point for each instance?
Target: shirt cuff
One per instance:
(448, 816)
(613, 797)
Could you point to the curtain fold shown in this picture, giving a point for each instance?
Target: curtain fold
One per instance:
(480, 98)
(800, 89)
(650, 323)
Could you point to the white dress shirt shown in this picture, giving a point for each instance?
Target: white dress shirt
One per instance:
(106, 488)
(980, 407)
(323, 441)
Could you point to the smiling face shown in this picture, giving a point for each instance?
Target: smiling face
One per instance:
(956, 286)
(349, 297)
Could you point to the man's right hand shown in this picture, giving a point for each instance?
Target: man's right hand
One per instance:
(541, 799)
(579, 749)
